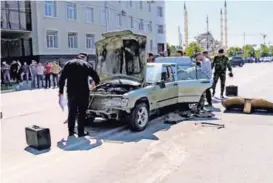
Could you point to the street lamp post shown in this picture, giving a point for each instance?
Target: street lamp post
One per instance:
(207, 21)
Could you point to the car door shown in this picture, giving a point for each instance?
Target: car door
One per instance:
(188, 85)
(167, 95)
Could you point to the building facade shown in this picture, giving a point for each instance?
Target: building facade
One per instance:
(62, 29)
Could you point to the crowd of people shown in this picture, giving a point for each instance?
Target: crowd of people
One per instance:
(40, 75)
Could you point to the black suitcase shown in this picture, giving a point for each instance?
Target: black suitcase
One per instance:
(232, 90)
(38, 137)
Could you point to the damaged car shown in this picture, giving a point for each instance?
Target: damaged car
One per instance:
(132, 90)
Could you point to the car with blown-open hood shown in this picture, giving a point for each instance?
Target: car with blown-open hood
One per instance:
(131, 89)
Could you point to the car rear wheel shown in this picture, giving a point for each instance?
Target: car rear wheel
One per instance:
(139, 117)
(241, 65)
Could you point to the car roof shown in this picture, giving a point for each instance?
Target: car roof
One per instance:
(185, 60)
(167, 63)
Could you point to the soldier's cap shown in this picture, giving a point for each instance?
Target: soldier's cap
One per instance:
(221, 50)
(82, 55)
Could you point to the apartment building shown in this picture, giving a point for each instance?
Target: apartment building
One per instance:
(62, 29)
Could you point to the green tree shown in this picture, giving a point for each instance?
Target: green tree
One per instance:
(248, 51)
(234, 51)
(271, 50)
(192, 48)
(264, 50)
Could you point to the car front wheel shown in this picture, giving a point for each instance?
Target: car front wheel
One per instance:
(139, 117)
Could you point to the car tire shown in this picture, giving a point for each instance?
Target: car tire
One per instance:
(241, 65)
(139, 117)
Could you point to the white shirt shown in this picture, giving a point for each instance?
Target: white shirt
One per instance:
(40, 70)
(206, 67)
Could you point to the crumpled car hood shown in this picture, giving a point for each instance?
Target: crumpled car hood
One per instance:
(121, 53)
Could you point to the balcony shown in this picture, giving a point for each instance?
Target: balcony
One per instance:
(15, 16)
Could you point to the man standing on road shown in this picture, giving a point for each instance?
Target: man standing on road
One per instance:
(206, 68)
(55, 72)
(48, 70)
(25, 72)
(33, 73)
(220, 65)
(40, 75)
(76, 73)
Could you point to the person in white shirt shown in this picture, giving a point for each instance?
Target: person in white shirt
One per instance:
(205, 65)
(40, 74)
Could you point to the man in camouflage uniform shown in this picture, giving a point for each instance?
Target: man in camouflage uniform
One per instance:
(220, 65)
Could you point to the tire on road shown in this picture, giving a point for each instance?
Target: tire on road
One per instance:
(139, 117)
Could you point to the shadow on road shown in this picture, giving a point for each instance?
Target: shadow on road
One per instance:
(35, 151)
(263, 113)
(78, 144)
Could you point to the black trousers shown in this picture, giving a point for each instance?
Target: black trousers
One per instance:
(47, 81)
(55, 79)
(208, 96)
(216, 77)
(77, 106)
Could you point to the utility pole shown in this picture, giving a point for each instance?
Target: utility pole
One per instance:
(264, 37)
(244, 38)
(106, 17)
(207, 33)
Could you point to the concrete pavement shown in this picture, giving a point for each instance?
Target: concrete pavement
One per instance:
(163, 153)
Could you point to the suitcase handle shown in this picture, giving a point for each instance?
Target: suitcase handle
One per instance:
(35, 127)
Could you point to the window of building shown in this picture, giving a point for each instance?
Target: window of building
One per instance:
(131, 22)
(90, 41)
(71, 11)
(141, 4)
(103, 17)
(131, 3)
(141, 24)
(89, 12)
(149, 7)
(52, 39)
(160, 11)
(150, 26)
(50, 8)
(160, 29)
(72, 40)
(151, 45)
(119, 20)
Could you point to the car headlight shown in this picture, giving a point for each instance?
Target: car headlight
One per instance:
(116, 102)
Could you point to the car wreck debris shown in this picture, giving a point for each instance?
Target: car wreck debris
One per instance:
(247, 105)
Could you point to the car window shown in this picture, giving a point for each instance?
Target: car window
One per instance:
(201, 75)
(167, 74)
(186, 73)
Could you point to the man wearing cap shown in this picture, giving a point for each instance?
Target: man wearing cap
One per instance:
(76, 72)
(220, 65)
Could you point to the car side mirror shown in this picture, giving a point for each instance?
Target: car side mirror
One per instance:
(161, 84)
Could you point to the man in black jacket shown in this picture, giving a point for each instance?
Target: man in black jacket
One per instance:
(76, 72)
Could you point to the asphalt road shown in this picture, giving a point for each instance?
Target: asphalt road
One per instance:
(241, 152)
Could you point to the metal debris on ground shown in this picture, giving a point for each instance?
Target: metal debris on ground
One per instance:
(206, 124)
(179, 116)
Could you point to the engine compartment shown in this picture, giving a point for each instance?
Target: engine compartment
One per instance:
(114, 88)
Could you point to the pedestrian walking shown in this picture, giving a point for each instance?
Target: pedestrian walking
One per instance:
(25, 72)
(6, 73)
(48, 71)
(220, 64)
(76, 73)
(40, 75)
(55, 73)
(14, 69)
(33, 73)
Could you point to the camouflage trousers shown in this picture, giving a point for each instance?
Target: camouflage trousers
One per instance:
(216, 77)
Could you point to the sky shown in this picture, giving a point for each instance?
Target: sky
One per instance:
(252, 17)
